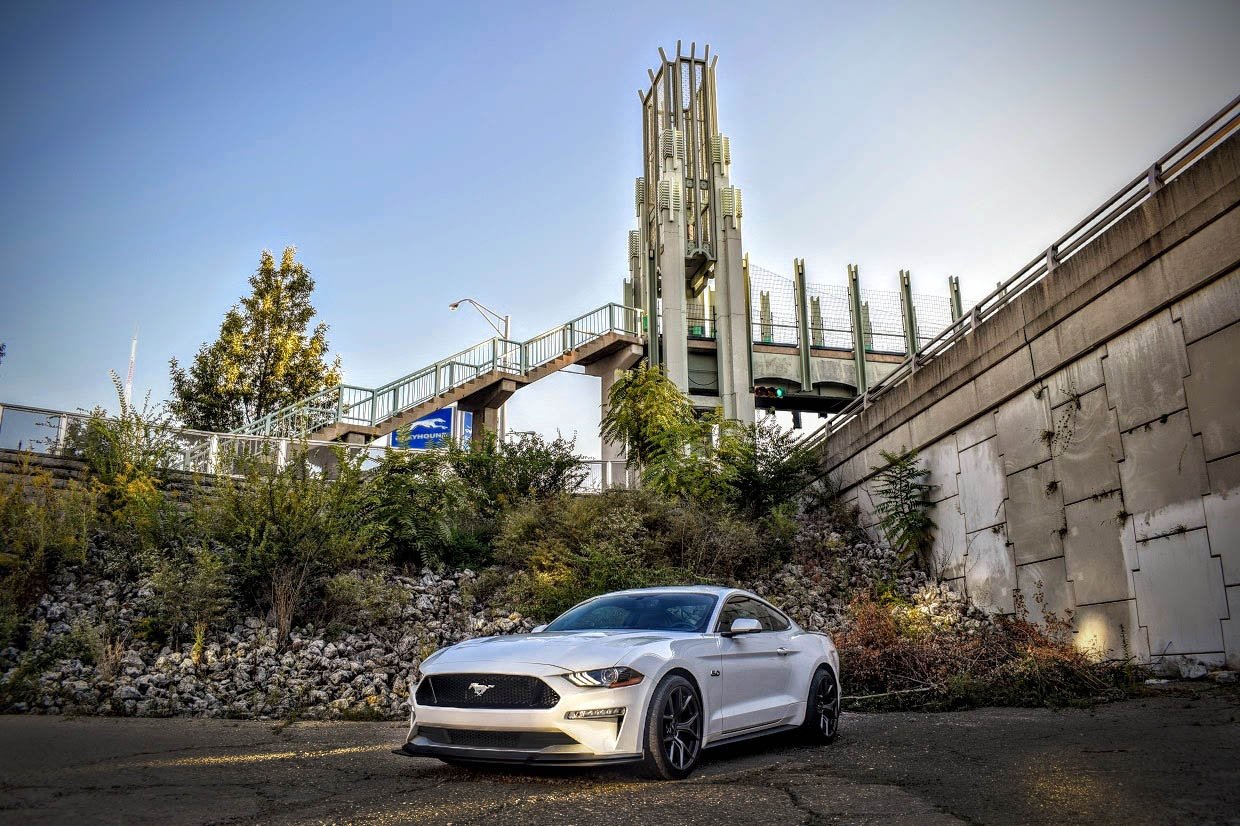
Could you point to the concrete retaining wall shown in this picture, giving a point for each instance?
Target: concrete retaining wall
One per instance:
(1084, 443)
(64, 470)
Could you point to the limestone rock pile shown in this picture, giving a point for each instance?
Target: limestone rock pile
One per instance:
(242, 672)
(816, 593)
(93, 655)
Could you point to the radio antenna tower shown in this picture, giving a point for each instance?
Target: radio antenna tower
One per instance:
(133, 356)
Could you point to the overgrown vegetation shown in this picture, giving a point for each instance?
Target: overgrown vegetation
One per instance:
(719, 502)
(126, 454)
(904, 655)
(284, 532)
(42, 528)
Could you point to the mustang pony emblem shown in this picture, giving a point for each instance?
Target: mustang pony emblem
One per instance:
(479, 688)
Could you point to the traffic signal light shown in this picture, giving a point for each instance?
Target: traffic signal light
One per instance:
(763, 392)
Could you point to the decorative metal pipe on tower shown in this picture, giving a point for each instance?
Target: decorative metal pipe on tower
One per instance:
(686, 253)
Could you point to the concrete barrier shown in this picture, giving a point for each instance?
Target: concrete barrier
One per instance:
(1084, 443)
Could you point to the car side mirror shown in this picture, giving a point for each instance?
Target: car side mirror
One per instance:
(743, 625)
(538, 629)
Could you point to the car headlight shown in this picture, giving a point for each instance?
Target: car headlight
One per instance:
(614, 677)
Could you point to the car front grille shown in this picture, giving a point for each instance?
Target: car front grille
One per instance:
(523, 740)
(502, 691)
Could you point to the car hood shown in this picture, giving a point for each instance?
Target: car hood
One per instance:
(570, 650)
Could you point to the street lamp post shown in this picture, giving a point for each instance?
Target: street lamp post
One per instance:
(491, 317)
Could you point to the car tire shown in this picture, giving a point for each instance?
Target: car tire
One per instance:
(822, 708)
(673, 734)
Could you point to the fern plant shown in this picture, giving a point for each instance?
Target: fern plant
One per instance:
(903, 504)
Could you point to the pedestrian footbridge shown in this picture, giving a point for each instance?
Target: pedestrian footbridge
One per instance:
(478, 380)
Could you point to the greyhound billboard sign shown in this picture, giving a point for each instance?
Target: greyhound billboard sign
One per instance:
(431, 430)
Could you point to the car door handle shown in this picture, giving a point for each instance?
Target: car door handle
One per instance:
(783, 652)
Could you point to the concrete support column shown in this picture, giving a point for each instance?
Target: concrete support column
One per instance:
(953, 290)
(732, 331)
(672, 288)
(859, 325)
(803, 339)
(486, 420)
(485, 406)
(609, 369)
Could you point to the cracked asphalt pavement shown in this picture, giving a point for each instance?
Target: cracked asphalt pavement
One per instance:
(1172, 759)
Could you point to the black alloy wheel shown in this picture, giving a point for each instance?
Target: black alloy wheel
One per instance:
(674, 725)
(822, 710)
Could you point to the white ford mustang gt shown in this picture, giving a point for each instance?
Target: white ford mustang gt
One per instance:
(652, 675)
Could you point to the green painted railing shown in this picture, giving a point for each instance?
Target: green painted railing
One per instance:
(369, 407)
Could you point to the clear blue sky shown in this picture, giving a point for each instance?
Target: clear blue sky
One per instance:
(419, 152)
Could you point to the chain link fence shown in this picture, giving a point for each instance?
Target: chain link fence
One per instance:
(774, 315)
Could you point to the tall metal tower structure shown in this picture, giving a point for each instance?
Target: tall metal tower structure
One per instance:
(685, 259)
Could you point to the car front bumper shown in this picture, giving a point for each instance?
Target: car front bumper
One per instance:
(518, 757)
(555, 739)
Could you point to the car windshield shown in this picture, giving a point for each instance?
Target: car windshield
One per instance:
(639, 612)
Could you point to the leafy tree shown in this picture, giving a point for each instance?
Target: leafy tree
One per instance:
(647, 414)
(686, 461)
(770, 468)
(754, 469)
(265, 357)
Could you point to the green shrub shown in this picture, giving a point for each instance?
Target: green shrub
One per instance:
(563, 550)
(140, 441)
(770, 468)
(125, 455)
(424, 515)
(902, 505)
(714, 543)
(42, 529)
(566, 549)
(441, 508)
(501, 474)
(283, 533)
(358, 600)
(191, 593)
(12, 621)
(757, 471)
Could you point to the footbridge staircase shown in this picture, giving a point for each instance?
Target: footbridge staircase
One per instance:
(478, 379)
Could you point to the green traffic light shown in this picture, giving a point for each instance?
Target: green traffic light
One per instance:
(779, 392)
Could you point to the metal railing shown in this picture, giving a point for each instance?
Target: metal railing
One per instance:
(367, 407)
(45, 431)
(607, 474)
(36, 429)
(1199, 143)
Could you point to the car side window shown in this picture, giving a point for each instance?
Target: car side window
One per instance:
(777, 620)
(743, 608)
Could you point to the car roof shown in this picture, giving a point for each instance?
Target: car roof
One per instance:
(713, 590)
